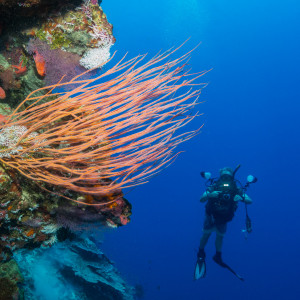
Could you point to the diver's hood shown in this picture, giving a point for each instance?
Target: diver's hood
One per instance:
(223, 173)
(226, 172)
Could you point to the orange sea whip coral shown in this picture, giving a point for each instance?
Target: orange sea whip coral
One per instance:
(97, 138)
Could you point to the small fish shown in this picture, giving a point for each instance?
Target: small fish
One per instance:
(40, 64)
(2, 93)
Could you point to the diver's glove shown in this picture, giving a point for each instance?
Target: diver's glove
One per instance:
(238, 198)
(214, 194)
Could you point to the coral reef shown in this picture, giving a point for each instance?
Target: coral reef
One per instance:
(40, 42)
(47, 40)
(31, 217)
(11, 280)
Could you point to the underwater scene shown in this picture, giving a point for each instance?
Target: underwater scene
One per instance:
(149, 149)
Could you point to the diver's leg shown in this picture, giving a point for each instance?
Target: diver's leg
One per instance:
(208, 227)
(204, 239)
(220, 232)
(219, 242)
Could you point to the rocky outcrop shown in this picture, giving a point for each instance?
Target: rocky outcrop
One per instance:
(75, 270)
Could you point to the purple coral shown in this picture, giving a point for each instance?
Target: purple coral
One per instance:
(59, 63)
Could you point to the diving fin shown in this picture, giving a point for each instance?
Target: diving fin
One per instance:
(200, 269)
(219, 261)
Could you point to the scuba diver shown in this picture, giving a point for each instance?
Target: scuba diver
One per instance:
(221, 196)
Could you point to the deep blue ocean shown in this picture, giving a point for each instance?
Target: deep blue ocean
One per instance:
(251, 117)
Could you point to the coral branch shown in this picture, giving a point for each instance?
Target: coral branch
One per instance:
(121, 128)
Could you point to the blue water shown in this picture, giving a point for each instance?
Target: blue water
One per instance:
(251, 117)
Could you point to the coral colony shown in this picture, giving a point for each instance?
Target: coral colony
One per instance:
(67, 40)
(77, 140)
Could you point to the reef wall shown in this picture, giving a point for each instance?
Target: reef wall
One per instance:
(43, 42)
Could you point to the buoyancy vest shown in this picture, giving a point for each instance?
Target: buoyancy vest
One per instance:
(223, 207)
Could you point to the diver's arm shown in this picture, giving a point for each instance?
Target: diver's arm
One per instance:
(245, 198)
(206, 195)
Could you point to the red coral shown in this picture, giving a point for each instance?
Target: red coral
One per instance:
(20, 69)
